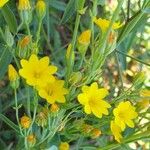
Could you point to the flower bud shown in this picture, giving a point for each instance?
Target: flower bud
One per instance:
(24, 5)
(41, 9)
(31, 139)
(84, 41)
(75, 77)
(12, 73)
(86, 128)
(95, 133)
(54, 108)
(24, 42)
(24, 8)
(64, 146)
(68, 53)
(41, 119)
(25, 122)
(24, 47)
(13, 77)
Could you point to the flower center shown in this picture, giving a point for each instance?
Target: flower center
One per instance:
(37, 75)
(121, 115)
(92, 102)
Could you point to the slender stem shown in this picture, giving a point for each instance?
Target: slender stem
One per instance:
(28, 101)
(25, 140)
(94, 13)
(48, 21)
(28, 29)
(17, 112)
(16, 105)
(38, 32)
(128, 10)
(48, 42)
(70, 62)
(34, 113)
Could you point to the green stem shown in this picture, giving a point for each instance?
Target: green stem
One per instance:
(28, 101)
(25, 141)
(48, 43)
(17, 112)
(34, 112)
(28, 29)
(38, 32)
(94, 13)
(48, 21)
(70, 62)
(119, 69)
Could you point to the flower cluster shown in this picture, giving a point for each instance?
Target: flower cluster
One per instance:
(39, 74)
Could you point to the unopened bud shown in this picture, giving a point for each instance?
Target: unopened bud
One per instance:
(84, 41)
(25, 122)
(13, 77)
(41, 9)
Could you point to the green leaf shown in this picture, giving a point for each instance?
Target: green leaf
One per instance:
(10, 18)
(5, 59)
(133, 24)
(125, 47)
(69, 11)
(57, 4)
(9, 122)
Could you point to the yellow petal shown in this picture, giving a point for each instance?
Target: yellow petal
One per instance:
(52, 69)
(130, 123)
(87, 109)
(44, 61)
(82, 98)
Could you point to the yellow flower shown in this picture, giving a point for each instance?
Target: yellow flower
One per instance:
(41, 8)
(37, 72)
(92, 99)
(12, 73)
(85, 37)
(24, 5)
(3, 2)
(124, 114)
(103, 24)
(116, 130)
(25, 121)
(64, 146)
(54, 92)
